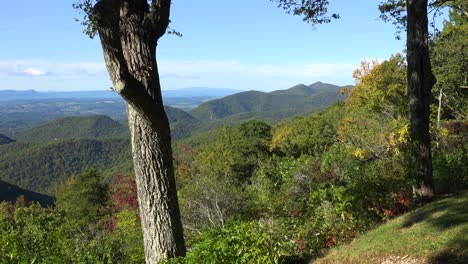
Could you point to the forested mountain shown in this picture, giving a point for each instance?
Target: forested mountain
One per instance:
(10, 193)
(98, 126)
(37, 166)
(92, 127)
(299, 99)
(5, 140)
(51, 152)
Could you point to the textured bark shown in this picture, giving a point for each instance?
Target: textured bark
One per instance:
(129, 31)
(420, 82)
(157, 195)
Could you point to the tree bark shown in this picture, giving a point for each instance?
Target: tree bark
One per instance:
(157, 195)
(129, 31)
(420, 82)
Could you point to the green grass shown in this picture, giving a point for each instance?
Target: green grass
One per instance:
(435, 233)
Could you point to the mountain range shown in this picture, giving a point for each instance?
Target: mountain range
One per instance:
(48, 153)
(14, 95)
(300, 99)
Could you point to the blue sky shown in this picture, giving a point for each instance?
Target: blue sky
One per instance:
(241, 44)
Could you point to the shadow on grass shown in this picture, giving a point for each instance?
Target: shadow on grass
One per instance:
(446, 214)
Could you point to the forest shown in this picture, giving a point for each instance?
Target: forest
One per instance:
(283, 177)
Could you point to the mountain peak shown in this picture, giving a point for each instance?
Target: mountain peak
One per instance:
(316, 83)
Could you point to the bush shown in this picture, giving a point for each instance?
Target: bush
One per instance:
(245, 242)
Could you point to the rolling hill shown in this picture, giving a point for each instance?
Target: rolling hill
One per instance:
(300, 99)
(37, 166)
(49, 153)
(100, 126)
(92, 127)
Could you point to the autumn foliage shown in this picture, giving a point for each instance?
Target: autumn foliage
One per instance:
(123, 193)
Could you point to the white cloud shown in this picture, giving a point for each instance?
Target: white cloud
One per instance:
(41, 68)
(34, 72)
(234, 74)
(176, 74)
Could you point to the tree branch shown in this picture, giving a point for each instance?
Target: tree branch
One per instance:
(107, 15)
(158, 17)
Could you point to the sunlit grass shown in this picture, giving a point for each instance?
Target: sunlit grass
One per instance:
(435, 233)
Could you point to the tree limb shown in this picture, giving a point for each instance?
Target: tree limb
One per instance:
(107, 14)
(158, 17)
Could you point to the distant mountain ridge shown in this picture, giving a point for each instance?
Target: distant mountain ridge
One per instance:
(298, 99)
(199, 92)
(13, 95)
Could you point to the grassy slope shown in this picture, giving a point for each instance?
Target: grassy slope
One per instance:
(435, 233)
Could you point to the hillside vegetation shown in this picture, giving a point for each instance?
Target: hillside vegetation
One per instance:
(99, 126)
(38, 166)
(51, 152)
(91, 127)
(300, 99)
(252, 193)
(435, 233)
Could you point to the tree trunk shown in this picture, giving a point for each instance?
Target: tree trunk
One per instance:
(157, 195)
(420, 82)
(129, 31)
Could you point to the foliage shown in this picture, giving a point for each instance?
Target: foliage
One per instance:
(38, 166)
(449, 55)
(381, 87)
(81, 229)
(83, 198)
(435, 233)
(277, 104)
(311, 11)
(310, 135)
(244, 242)
(450, 166)
(30, 235)
(252, 193)
(91, 127)
(128, 231)
(395, 11)
(211, 187)
(123, 193)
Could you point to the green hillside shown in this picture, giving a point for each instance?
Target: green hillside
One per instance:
(97, 126)
(182, 123)
(435, 233)
(279, 104)
(38, 166)
(10, 192)
(5, 140)
(100, 126)
(49, 153)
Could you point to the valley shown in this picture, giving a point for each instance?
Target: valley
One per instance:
(44, 141)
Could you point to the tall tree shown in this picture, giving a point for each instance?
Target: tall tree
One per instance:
(129, 31)
(420, 82)
(412, 15)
